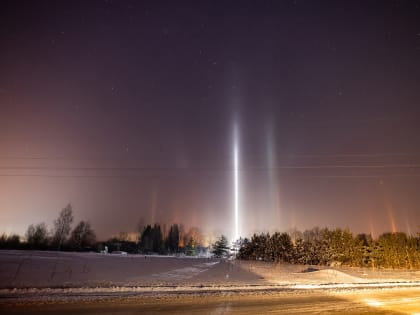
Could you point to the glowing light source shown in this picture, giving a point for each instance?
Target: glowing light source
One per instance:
(372, 302)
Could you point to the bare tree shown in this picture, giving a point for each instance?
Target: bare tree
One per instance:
(62, 226)
(37, 236)
(82, 235)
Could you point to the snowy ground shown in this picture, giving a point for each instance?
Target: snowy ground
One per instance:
(285, 274)
(37, 276)
(37, 269)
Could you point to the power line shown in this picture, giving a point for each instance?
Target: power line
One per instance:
(283, 154)
(138, 168)
(160, 176)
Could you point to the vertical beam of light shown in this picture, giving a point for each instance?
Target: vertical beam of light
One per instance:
(236, 180)
(407, 227)
(154, 203)
(371, 226)
(273, 204)
(392, 218)
(372, 230)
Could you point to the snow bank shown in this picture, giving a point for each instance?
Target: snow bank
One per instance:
(286, 274)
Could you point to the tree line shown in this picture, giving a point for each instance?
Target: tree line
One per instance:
(158, 239)
(61, 237)
(311, 247)
(333, 247)
(152, 239)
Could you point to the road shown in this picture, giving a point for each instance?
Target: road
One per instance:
(367, 301)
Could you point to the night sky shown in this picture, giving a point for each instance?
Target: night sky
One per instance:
(127, 109)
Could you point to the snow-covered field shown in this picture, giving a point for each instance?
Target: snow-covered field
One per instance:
(38, 269)
(56, 276)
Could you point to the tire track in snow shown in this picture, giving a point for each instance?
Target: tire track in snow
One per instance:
(184, 273)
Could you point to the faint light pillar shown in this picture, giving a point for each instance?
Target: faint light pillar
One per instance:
(236, 180)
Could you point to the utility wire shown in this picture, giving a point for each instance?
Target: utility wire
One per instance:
(284, 154)
(177, 176)
(137, 168)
